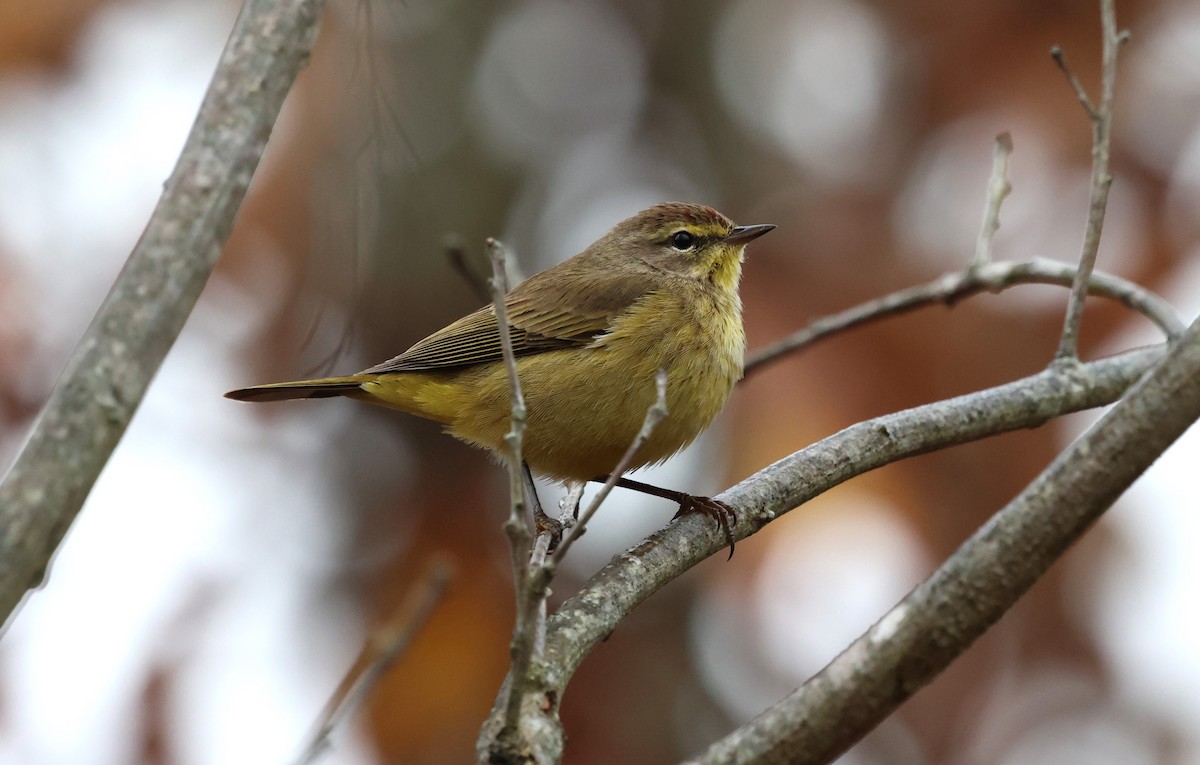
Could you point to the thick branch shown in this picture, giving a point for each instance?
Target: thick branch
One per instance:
(107, 375)
(595, 611)
(940, 619)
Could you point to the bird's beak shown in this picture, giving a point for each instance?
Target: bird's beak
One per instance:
(743, 234)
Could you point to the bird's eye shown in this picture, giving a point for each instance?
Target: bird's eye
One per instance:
(683, 240)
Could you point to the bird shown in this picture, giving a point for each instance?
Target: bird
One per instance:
(589, 335)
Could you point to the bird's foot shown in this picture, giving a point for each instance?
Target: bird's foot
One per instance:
(544, 524)
(720, 512)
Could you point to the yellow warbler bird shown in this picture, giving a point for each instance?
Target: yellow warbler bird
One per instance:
(659, 291)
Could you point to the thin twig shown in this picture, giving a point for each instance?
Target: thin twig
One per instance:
(525, 639)
(110, 369)
(950, 288)
(998, 188)
(516, 527)
(1060, 59)
(499, 284)
(379, 653)
(536, 594)
(568, 506)
(654, 415)
(940, 619)
(1101, 180)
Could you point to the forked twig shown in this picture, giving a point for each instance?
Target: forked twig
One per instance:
(529, 599)
(1060, 59)
(1101, 181)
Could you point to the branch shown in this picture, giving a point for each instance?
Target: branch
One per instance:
(508, 729)
(525, 627)
(940, 619)
(1060, 58)
(594, 612)
(517, 531)
(108, 373)
(999, 187)
(1101, 118)
(518, 730)
(950, 288)
(378, 654)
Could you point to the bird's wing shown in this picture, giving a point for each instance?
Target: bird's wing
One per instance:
(545, 313)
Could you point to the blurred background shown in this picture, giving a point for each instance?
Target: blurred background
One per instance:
(232, 559)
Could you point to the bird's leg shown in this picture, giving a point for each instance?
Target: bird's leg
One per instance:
(542, 523)
(720, 512)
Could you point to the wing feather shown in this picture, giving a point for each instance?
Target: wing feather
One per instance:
(548, 312)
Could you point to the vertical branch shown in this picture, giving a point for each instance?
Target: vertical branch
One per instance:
(998, 188)
(1101, 181)
(109, 371)
(529, 597)
(518, 531)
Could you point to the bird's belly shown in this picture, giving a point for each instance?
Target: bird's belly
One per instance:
(586, 405)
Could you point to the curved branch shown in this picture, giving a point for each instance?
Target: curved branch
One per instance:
(940, 619)
(107, 375)
(950, 288)
(594, 612)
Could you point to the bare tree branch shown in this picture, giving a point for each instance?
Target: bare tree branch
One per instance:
(1101, 117)
(998, 188)
(940, 619)
(516, 528)
(107, 375)
(950, 288)
(525, 638)
(1060, 58)
(594, 612)
(379, 653)
(513, 733)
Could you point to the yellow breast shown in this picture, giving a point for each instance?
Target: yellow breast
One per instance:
(586, 404)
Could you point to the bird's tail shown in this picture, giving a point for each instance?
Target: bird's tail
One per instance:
(327, 387)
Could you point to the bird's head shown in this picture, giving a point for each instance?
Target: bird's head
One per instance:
(687, 238)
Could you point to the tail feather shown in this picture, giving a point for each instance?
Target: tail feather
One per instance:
(329, 387)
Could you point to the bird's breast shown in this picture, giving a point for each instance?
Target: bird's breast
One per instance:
(586, 404)
(697, 339)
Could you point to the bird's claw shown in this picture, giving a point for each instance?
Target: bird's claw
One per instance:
(544, 524)
(721, 513)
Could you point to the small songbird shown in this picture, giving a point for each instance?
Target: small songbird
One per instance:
(658, 291)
